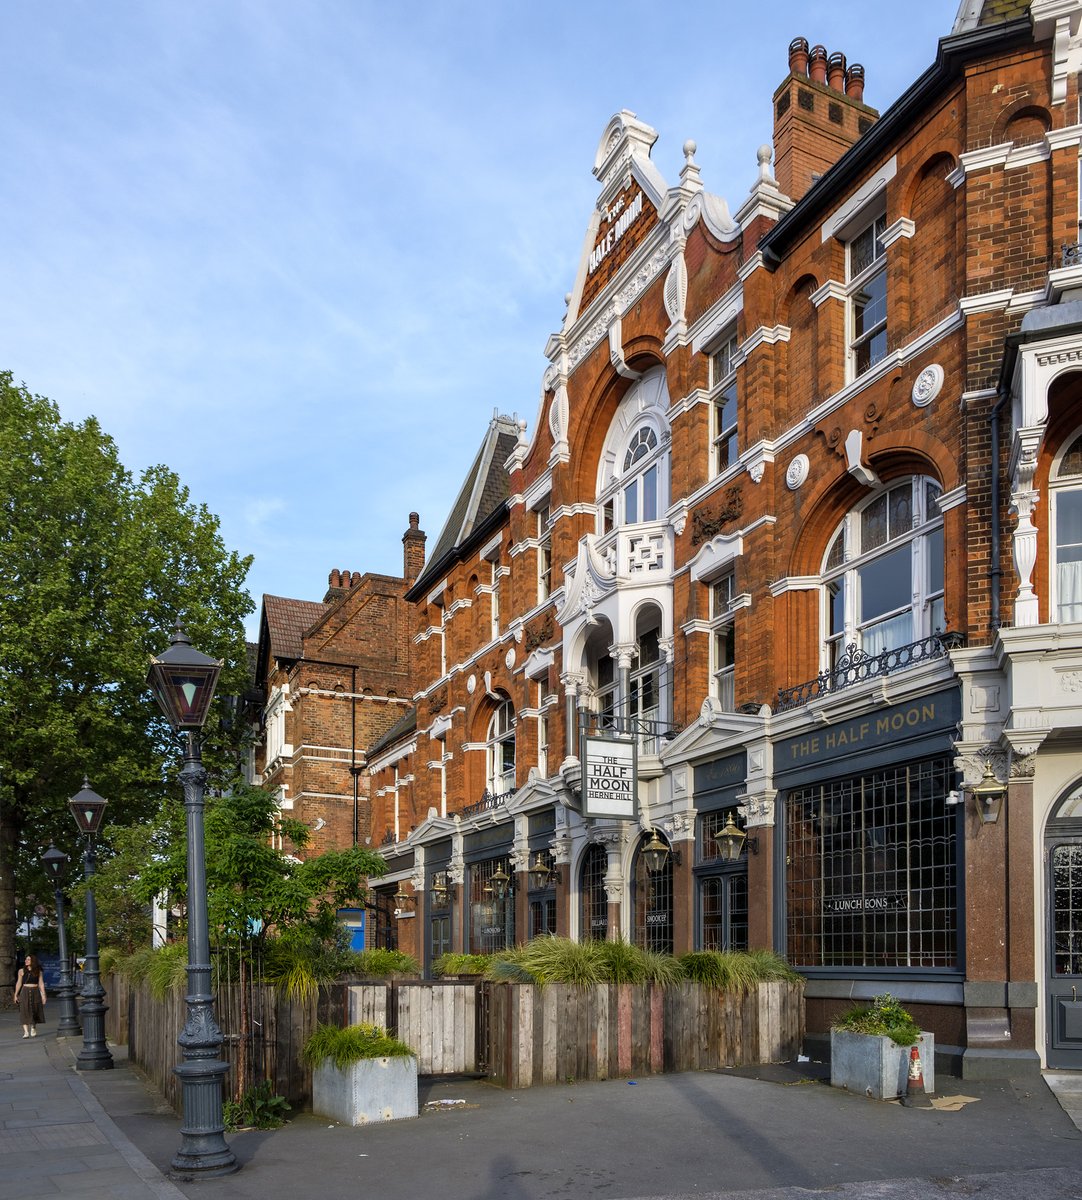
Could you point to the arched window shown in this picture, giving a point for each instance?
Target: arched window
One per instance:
(500, 750)
(637, 497)
(633, 478)
(883, 572)
(652, 903)
(1066, 497)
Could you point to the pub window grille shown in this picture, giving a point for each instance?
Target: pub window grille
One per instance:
(595, 900)
(439, 936)
(542, 917)
(723, 893)
(873, 872)
(492, 920)
(653, 907)
(725, 911)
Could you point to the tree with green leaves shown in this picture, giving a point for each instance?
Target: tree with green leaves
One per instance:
(255, 889)
(96, 565)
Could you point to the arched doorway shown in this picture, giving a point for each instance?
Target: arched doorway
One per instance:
(1063, 888)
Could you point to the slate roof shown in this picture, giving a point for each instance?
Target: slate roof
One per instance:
(287, 621)
(485, 488)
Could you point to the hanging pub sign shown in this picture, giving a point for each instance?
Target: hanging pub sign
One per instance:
(609, 779)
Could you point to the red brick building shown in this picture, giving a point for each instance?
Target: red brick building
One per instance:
(770, 632)
(334, 676)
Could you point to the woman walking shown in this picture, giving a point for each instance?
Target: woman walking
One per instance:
(30, 995)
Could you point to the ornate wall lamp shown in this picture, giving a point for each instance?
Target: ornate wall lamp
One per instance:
(440, 891)
(501, 883)
(543, 875)
(656, 853)
(988, 795)
(731, 841)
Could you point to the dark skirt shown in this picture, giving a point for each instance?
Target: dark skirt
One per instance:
(31, 1009)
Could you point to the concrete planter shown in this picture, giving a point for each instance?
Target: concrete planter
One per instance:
(876, 1066)
(374, 1089)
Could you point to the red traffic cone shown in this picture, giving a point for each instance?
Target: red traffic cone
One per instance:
(914, 1084)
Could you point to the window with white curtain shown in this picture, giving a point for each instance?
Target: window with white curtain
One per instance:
(723, 642)
(639, 492)
(1066, 498)
(500, 750)
(883, 572)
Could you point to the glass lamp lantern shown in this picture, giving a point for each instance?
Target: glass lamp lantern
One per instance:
(183, 680)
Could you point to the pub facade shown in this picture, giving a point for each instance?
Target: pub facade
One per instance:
(766, 632)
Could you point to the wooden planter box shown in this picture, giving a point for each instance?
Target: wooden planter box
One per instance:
(374, 1089)
(877, 1067)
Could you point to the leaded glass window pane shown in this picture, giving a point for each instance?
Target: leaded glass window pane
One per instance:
(872, 876)
(595, 900)
(1066, 866)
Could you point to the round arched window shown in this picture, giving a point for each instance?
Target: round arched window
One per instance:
(883, 572)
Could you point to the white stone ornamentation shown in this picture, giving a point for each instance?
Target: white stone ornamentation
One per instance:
(509, 659)
(471, 684)
(928, 385)
(796, 473)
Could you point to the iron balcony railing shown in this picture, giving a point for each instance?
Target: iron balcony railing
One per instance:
(651, 734)
(487, 803)
(1072, 255)
(855, 666)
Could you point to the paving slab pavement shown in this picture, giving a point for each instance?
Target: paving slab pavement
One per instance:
(775, 1133)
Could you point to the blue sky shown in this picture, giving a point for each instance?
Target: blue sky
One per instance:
(301, 252)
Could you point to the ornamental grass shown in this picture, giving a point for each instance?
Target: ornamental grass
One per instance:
(353, 1044)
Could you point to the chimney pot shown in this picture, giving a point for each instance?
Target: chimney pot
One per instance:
(836, 71)
(854, 82)
(818, 64)
(798, 56)
(334, 579)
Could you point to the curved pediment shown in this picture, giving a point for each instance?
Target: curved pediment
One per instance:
(591, 580)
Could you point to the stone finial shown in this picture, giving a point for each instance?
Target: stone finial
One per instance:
(765, 155)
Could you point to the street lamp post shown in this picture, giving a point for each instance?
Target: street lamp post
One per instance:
(56, 864)
(183, 681)
(88, 808)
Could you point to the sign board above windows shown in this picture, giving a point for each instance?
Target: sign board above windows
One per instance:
(610, 779)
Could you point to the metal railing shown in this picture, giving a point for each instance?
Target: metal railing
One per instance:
(651, 734)
(487, 803)
(855, 666)
(1072, 255)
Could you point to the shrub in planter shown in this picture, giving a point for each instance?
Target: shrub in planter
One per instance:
(450, 965)
(381, 963)
(736, 971)
(361, 1075)
(870, 1050)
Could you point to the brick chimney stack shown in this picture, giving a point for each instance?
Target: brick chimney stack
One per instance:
(338, 583)
(819, 112)
(413, 548)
